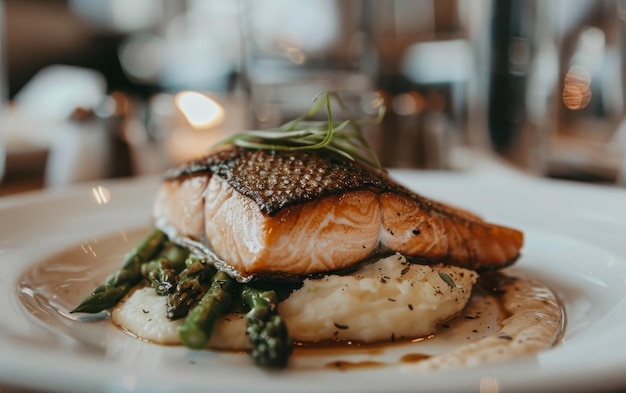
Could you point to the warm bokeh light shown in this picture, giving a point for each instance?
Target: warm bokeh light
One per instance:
(406, 104)
(87, 249)
(576, 91)
(101, 195)
(296, 56)
(200, 110)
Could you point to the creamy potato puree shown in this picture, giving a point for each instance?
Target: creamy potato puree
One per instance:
(387, 300)
(143, 315)
(384, 301)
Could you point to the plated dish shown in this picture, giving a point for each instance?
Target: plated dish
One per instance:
(296, 237)
(576, 252)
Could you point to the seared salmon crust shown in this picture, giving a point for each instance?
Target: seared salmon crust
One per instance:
(275, 213)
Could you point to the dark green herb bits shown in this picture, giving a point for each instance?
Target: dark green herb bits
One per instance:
(445, 277)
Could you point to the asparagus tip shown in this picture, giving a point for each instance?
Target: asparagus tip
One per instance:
(88, 307)
(193, 338)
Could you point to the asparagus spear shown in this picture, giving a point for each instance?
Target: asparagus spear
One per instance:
(109, 294)
(162, 277)
(271, 344)
(162, 270)
(173, 254)
(192, 284)
(197, 328)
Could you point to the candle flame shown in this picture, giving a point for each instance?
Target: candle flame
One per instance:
(200, 110)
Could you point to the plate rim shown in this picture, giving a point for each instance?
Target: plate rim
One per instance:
(126, 186)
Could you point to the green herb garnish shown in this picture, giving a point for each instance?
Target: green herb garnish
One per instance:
(445, 277)
(344, 137)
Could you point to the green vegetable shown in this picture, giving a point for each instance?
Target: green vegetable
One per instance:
(163, 270)
(197, 328)
(109, 294)
(162, 277)
(195, 289)
(271, 344)
(343, 137)
(175, 255)
(192, 283)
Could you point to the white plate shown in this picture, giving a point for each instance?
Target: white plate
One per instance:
(576, 243)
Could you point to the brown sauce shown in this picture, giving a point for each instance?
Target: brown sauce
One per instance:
(342, 365)
(342, 349)
(63, 279)
(339, 348)
(413, 357)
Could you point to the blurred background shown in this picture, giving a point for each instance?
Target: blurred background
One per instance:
(96, 89)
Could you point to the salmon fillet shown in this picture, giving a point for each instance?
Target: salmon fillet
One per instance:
(277, 215)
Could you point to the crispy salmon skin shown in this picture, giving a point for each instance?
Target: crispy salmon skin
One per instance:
(278, 214)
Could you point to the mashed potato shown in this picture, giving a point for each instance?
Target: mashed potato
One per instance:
(383, 301)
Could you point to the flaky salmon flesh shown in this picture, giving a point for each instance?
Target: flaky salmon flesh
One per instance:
(274, 214)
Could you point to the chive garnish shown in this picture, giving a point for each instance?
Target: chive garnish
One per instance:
(445, 277)
(344, 137)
